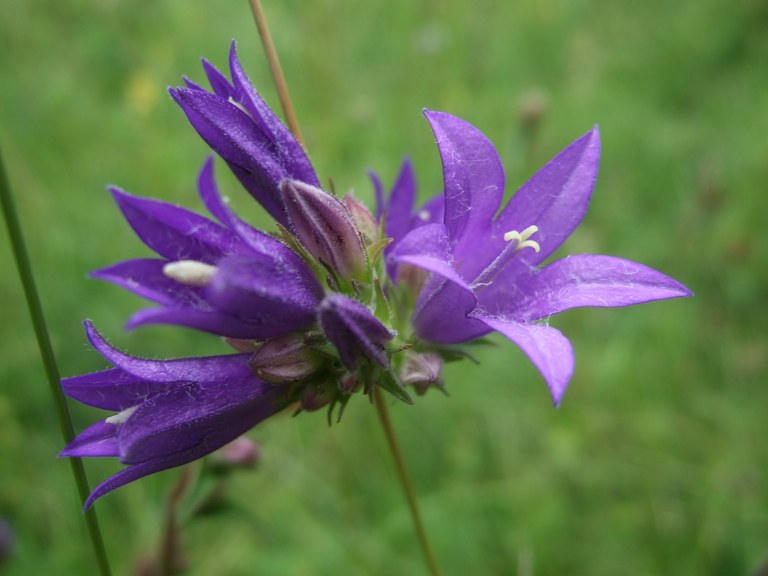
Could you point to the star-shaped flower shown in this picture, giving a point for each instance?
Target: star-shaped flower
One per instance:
(486, 263)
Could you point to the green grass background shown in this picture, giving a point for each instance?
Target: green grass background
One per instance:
(656, 462)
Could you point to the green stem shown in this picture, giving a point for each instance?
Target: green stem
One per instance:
(49, 361)
(405, 479)
(276, 70)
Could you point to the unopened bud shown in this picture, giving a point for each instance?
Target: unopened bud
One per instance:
(285, 359)
(315, 396)
(422, 370)
(242, 452)
(363, 219)
(325, 228)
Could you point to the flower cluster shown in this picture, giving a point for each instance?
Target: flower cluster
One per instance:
(338, 300)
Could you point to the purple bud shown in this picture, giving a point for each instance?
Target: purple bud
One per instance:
(354, 331)
(422, 370)
(363, 219)
(242, 452)
(325, 228)
(285, 359)
(315, 396)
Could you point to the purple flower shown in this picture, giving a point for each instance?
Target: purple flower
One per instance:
(486, 267)
(226, 278)
(240, 127)
(168, 413)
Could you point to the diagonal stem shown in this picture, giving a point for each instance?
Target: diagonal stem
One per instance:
(276, 70)
(405, 480)
(49, 361)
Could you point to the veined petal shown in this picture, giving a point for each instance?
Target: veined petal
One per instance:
(581, 280)
(274, 294)
(211, 321)
(182, 417)
(555, 200)
(474, 180)
(99, 439)
(236, 138)
(546, 347)
(399, 207)
(145, 277)
(219, 83)
(112, 389)
(175, 232)
(207, 369)
(429, 247)
(292, 157)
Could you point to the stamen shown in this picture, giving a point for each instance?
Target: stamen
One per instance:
(522, 238)
(190, 272)
(121, 417)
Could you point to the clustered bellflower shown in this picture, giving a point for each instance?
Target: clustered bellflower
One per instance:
(337, 300)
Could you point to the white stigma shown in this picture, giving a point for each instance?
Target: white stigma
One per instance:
(522, 238)
(121, 417)
(190, 272)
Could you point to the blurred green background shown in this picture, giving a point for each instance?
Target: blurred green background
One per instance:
(656, 462)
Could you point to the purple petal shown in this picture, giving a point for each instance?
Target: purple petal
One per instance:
(208, 369)
(219, 83)
(555, 199)
(474, 180)
(441, 313)
(274, 294)
(174, 232)
(209, 193)
(182, 417)
(581, 280)
(99, 439)
(547, 348)
(145, 277)
(378, 193)
(428, 247)
(210, 321)
(399, 206)
(353, 330)
(236, 138)
(292, 157)
(112, 389)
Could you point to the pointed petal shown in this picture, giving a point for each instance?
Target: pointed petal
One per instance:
(145, 277)
(99, 439)
(239, 141)
(210, 321)
(378, 193)
(428, 247)
(547, 348)
(219, 83)
(174, 232)
(474, 180)
(112, 389)
(292, 157)
(207, 369)
(399, 207)
(555, 199)
(353, 330)
(582, 280)
(210, 195)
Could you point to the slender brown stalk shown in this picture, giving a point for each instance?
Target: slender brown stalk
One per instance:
(405, 480)
(276, 70)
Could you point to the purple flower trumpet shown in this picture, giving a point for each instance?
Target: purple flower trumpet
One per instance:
(167, 413)
(226, 278)
(487, 273)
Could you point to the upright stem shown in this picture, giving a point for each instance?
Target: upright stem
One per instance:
(405, 480)
(49, 361)
(276, 70)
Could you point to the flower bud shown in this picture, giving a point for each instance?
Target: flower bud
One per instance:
(242, 452)
(315, 396)
(285, 359)
(325, 228)
(422, 370)
(354, 331)
(363, 219)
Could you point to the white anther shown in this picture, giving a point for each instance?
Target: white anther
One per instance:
(522, 238)
(190, 272)
(121, 417)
